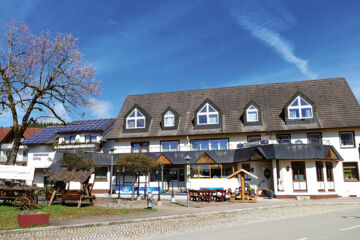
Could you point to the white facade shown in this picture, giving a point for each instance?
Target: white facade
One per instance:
(282, 184)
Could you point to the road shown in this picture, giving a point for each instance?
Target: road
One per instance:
(297, 222)
(342, 224)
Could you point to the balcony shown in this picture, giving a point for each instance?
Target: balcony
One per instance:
(68, 146)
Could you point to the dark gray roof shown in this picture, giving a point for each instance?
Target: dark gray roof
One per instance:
(335, 107)
(268, 152)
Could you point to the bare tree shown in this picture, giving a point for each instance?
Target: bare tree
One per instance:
(40, 74)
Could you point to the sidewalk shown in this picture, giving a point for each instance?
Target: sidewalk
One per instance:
(178, 209)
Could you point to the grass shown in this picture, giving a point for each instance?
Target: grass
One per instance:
(8, 214)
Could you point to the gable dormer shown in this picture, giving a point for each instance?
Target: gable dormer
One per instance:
(136, 120)
(252, 114)
(207, 115)
(300, 109)
(169, 119)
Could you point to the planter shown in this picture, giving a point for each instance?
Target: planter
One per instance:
(34, 219)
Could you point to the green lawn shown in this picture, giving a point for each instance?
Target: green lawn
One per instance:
(8, 214)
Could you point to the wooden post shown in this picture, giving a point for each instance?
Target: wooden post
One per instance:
(52, 197)
(242, 186)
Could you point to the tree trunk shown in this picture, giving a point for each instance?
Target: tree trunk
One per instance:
(15, 149)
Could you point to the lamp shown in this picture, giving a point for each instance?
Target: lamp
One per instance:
(118, 181)
(187, 159)
(172, 173)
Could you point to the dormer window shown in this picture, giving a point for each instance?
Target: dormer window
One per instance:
(169, 119)
(252, 114)
(207, 115)
(299, 109)
(135, 120)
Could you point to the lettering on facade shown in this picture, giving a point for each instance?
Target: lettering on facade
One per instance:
(38, 156)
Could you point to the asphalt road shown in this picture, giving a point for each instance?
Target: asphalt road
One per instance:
(342, 224)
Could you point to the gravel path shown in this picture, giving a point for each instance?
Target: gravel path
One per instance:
(169, 227)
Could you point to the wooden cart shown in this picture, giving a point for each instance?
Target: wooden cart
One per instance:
(84, 193)
(23, 197)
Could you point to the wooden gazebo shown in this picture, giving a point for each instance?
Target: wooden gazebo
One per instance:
(243, 193)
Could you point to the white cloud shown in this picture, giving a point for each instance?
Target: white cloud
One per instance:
(264, 20)
(100, 108)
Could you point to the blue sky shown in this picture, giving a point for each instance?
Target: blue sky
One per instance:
(159, 46)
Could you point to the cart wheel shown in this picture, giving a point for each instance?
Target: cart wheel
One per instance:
(32, 197)
(22, 202)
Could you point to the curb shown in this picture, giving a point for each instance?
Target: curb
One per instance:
(177, 216)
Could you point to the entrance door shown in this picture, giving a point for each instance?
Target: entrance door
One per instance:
(330, 176)
(320, 176)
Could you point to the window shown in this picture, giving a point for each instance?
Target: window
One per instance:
(246, 167)
(351, 171)
(211, 170)
(135, 120)
(170, 146)
(347, 139)
(254, 138)
(25, 154)
(298, 169)
(252, 114)
(319, 171)
(329, 172)
(101, 173)
(300, 108)
(209, 144)
(72, 139)
(284, 138)
(138, 147)
(90, 138)
(169, 119)
(314, 138)
(67, 139)
(207, 115)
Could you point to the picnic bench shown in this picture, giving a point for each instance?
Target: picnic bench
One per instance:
(207, 195)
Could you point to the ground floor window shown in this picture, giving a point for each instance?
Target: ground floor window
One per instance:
(298, 169)
(101, 173)
(319, 171)
(211, 170)
(351, 171)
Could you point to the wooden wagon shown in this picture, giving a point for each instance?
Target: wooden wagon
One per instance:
(23, 197)
(86, 180)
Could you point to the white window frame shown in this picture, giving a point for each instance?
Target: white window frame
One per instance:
(135, 118)
(250, 111)
(353, 139)
(300, 107)
(207, 114)
(169, 114)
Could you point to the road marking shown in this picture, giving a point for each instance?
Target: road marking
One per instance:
(302, 238)
(349, 228)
